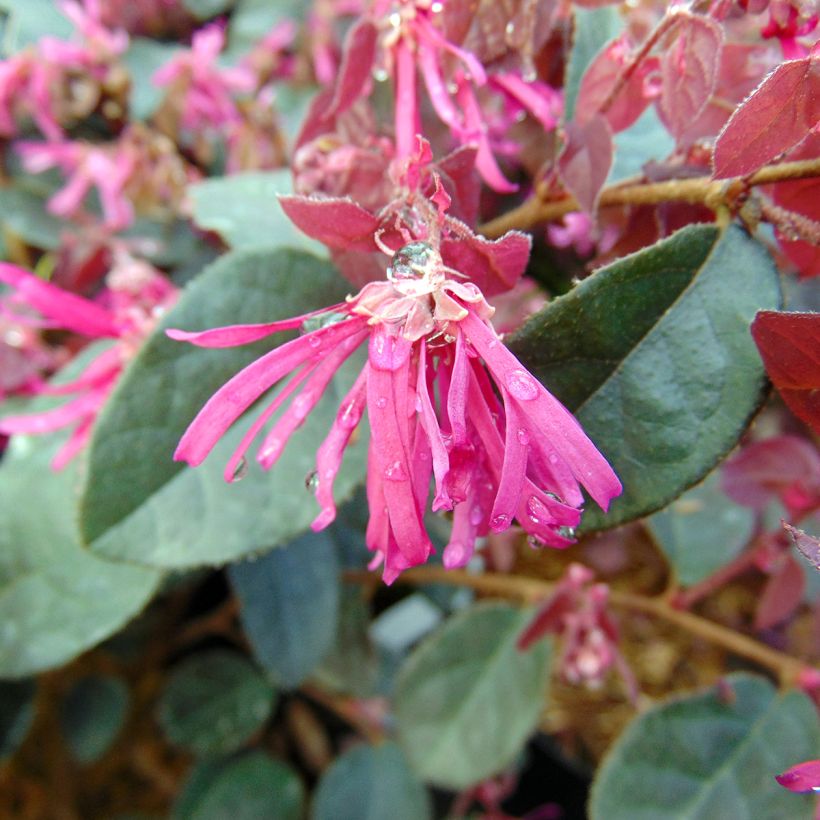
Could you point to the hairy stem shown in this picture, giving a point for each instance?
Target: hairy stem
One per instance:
(531, 590)
(713, 193)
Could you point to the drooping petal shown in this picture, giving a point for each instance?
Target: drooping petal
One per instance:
(101, 369)
(330, 452)
(548, 420)
(457, 394)
(307, 399)
(49, 421)
(238, 394)
(75, 444)
(71, 312)
(803, 777)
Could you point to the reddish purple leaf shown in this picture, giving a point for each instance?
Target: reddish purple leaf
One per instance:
(804, 777)
(494, 265)
(354, 73)
(586, 159)
(339, 223)
(778, 114)
(781, 595)
(785, 467)
(689, 70)
(462, 182)
(789, 344)
(599, 80)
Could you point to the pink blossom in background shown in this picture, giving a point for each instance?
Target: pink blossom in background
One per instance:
(135, 296)
(104, 168)
(208, 89)
(518, 454)
(577, 613)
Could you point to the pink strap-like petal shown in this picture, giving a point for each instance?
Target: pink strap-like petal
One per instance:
(235, 335)
(72, 312)
(238, 394)
(76, 442)
(51, 420)
(103, 368)
(548, 419)
(428, 420)
(457, 394)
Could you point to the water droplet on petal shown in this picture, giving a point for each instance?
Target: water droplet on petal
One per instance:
(553, 458)
(456, 554)
(476, 515)
(348, 416)
(522, 385)
(536, 509)
(395, 472)
(314, 340)
(523, 437)
(380, 75)
(312, 480)
(499, 522)
(566, 532)
(492, 344)
(381, 402)
(271, 450)
(240, 471)
(535, 542)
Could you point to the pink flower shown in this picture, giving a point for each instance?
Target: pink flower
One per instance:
(206, 87)
(577, 613)
(135, 296)
(87, 166)
(446, 402)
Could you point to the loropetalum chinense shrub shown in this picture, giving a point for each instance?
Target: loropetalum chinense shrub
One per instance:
(409, 394)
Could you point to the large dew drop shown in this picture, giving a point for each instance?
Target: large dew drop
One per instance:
(521, 385)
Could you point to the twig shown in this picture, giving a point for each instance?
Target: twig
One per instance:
(531, 591)
(713, 193)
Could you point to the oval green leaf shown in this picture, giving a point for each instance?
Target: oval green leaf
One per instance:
(709, 755)
(92, 714)
(289, 605)
(56, 599)
(214, 701)
(654, 356)
(371, 783)
(250, 787)
(467, 699)
(137, 504)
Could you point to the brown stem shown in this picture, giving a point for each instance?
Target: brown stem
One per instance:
(713, 193)
(531, 591)
(737, 566)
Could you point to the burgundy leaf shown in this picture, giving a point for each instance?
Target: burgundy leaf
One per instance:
(339, 223)
(494, 265)
(357, 63)
(460, 178)
(803, 197)
(689, 70)
(781, 595)
(784, 467)
(803, 777)
(586, 159)
(777, 115)
(789, 344)
(599, 81)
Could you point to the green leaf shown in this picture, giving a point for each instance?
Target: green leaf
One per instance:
(29, 21)
(370, 783)
(244, 210)
(592, 30)
(646, 139)
(56, 599)
(143, 58)
(207, 9)
(467, 700)
(25, 214)
(16, 714)
(250, 787)
(709, 755)
(288, 603)
(351, 665)
(654, 356)
(214, 701)
(702, 530)
(92, 715)
(137, 504)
